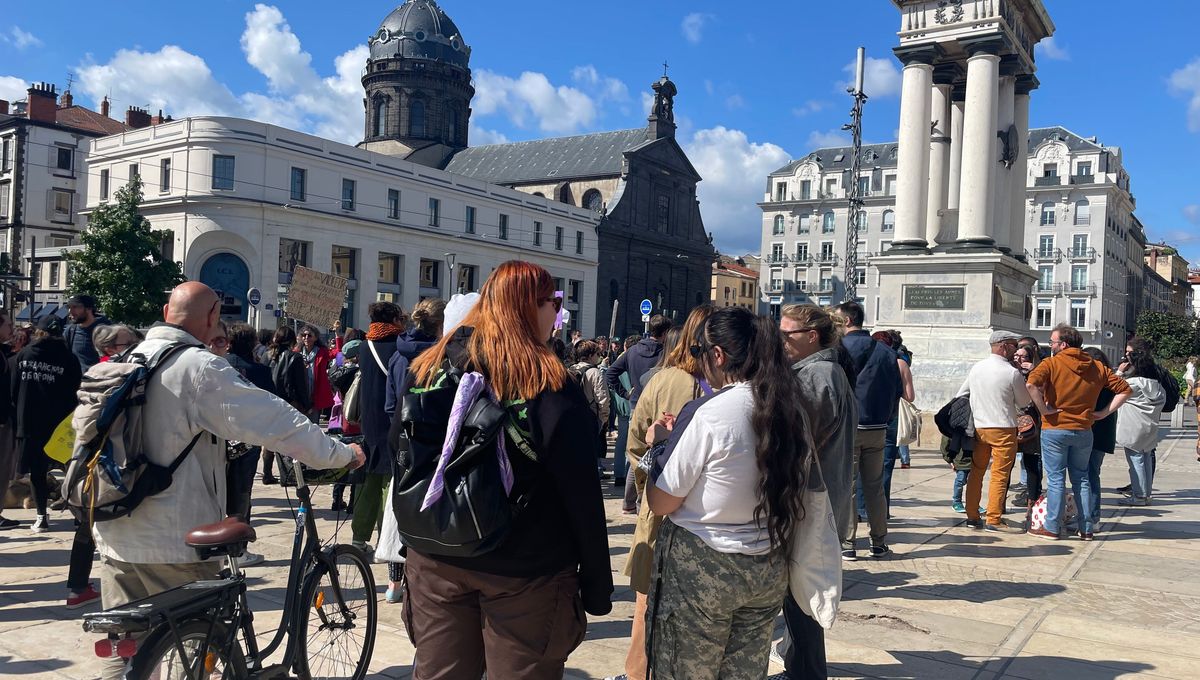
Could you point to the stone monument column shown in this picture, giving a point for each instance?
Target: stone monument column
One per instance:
(958, 95)
(1020, 170)
(1002, 198)
(939, 157)
(979, 145)
(912, 163)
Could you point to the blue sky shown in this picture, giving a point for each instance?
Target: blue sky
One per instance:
(759, 82)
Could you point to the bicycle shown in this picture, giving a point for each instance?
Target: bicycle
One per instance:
(334, 606)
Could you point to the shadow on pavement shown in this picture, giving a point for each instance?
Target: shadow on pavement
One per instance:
(924, 666)
(30, 666)
(897, 584)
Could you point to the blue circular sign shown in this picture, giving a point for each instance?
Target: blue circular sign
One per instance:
(647, 307)
(254, 295)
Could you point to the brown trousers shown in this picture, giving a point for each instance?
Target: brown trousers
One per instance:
(463, 622)
(1000, 446)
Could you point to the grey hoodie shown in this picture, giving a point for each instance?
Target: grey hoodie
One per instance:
(832, 414)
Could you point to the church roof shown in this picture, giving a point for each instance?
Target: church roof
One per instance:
(419, 29)
(599, 154)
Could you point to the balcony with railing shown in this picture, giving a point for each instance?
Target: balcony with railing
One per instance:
(1078, 254)
(804, 260)
(827, 259)
(1045, 255)
(1083, 179)
(777, 260)
(1047, 288)
(1052, 181)
(1077, 289)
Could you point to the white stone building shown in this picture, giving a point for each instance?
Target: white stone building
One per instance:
(247, 202)
(1080, 233)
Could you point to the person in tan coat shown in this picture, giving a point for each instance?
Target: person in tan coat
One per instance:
(675, 383)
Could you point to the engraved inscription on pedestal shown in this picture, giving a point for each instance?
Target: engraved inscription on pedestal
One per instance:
(1004, 302)
(935, 297)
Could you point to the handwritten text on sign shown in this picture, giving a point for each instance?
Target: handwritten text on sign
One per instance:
(316, 297)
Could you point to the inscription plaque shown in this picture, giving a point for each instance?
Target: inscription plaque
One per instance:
(935, 297)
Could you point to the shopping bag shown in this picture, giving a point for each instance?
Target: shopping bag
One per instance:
(62, 442)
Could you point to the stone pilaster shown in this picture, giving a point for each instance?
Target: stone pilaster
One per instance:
(979, 145)
(1002, 183)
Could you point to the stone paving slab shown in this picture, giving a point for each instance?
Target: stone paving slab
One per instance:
(953, 602)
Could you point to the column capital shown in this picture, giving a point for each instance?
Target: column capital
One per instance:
(918, 54)
(946, 74)
(1027, 83)
(990, 45)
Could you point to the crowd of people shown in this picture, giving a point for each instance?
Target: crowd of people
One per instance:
(723, 430)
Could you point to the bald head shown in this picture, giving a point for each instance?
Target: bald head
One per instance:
(195, 308)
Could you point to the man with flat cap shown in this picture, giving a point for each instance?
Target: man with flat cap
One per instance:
(997, 393)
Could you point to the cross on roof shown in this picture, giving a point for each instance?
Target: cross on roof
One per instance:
(665, 67)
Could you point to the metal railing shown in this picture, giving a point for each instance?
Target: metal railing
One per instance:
(1045, 254)
(830, 259)
(1044, 288)
(1083, 179)
(1052, 181)
(1081, 289)
(1084, 253)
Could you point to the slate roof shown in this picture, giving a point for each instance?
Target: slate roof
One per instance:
(561, 158)
(1073, 141)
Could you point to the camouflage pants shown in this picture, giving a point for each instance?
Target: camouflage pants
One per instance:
(711, 614)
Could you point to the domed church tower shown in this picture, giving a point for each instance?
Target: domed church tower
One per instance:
(418, 85)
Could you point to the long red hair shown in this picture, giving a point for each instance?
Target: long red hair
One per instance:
(518, 363)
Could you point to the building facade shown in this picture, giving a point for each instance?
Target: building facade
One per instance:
(1081, 235)
(1170, 265)
(734, 284)
(247, 202)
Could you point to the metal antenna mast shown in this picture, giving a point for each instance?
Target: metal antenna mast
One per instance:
(850, 279)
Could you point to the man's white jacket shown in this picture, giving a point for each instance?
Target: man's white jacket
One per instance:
(196, 391)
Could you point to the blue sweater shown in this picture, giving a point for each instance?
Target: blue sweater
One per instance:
(879, 386)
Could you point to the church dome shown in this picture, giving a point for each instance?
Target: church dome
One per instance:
(419, 29)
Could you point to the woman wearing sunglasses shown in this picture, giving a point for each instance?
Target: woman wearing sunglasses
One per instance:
(732, 488)
(520, 606)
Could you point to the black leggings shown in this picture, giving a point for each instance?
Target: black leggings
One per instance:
(34, 458)
(1032, 462)
(82, 555)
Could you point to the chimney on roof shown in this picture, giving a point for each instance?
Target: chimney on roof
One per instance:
(43, 102)
(104, 106)
(155, 120)
(137, 118)
(67, 100)
(3, 106)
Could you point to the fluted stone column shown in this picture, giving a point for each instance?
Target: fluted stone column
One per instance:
(912, 170)
(1020, 170)
(958, 95)
(939, 157)
(1002, 195)
(979, 146)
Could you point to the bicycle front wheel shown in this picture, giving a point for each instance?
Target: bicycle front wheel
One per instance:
(337, 635)
(159, 657)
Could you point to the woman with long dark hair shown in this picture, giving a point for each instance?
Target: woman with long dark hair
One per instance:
(521, 605)
(1137, 419)
(732, 482)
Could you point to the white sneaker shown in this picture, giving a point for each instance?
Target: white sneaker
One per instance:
(250, 559)
(40, 525)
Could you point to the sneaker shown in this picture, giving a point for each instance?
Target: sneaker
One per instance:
(364, 546)
(269, 479)
(617, 677)
(1021, 500)
(958, 507)
(338, 505)
(904, 466)
(881, 550)
(1087, 536)
(393, 596)
(6, 523)
(40, 525)
(1042, 533)
(974, 523)
(628, 511)
(849, 555)
(1004, 528)
(77, 600)
(1127, 489)
(250, 559)
(1134, 502)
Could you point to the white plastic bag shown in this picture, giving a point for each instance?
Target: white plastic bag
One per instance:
(389, 546)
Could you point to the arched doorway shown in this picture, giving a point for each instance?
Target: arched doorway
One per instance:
(227, 274)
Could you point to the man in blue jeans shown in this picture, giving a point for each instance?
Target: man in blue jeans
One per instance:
(1064, 389)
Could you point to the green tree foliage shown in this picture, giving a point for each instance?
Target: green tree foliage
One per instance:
(1173, 336)
(121, 264)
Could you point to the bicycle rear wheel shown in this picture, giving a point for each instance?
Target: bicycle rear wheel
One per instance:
(158, 656)
(336, 638)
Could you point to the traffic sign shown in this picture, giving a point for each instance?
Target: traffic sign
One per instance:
(645, 318)
(647, 307)
(254, 295)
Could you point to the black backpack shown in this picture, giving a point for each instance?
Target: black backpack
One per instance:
(1170, 386)
(474, 515)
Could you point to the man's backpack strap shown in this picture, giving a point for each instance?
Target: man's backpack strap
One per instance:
(179, 459)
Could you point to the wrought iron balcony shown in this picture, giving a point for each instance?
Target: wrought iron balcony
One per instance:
(1052, 181)
(1080, 254)
(802, 260)
(777, 259)
(1083, 179)
(830, 259)
(1081, 289)
(1045, 288)
(1045, 255)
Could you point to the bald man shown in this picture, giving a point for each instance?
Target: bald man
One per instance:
(196, 397)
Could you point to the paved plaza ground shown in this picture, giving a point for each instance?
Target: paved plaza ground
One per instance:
(953, 603)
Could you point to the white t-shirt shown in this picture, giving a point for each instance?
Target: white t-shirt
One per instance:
(997, 391)
(712, 466)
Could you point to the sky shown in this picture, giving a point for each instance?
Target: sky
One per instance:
(759, 84)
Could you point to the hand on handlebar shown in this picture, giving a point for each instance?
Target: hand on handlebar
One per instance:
(360, 457)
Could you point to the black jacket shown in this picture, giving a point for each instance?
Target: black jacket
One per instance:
(79, 339)
(879, 386)
(372, 391)
(956, 423)
(6, 371)
(564, 524)
(291, 380)
(636, 362)
(44, 387)
(255, 373)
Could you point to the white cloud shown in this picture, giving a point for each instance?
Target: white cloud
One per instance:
(1192, 214)
(531, 98)
(182, 84)
(881, 78)
(480, 136)
(693, 26)
(708, 87)
(735, 101)
(820, 140)
(604, 88)
(734, 171)
(810, 106)
(20, 39)
(13, 88)
(1050, 49)
(647, 103)
(1185, 82)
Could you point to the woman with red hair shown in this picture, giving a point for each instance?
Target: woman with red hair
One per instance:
(520, 607)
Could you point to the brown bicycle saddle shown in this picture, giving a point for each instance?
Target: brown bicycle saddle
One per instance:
(228, 531)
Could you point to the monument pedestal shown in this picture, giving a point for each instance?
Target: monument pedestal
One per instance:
(946, 304)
